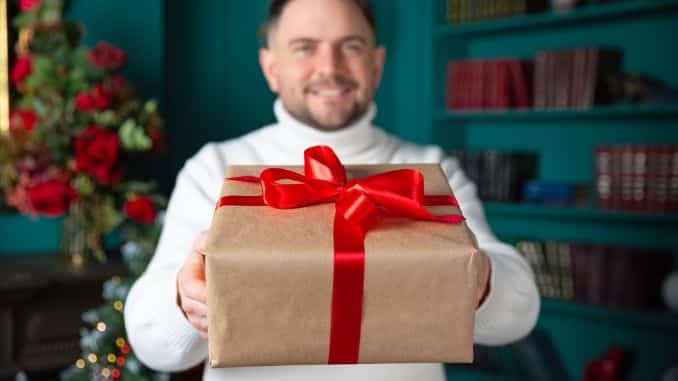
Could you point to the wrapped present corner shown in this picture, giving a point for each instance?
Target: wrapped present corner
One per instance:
(331, 264)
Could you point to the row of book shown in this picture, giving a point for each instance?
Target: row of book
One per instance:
(562, 79)
(489, 84)
(464, 11)
(575, 78)
(637, 177)
(598, 274)
(499, 176)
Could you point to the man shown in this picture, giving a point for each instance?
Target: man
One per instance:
(322, 61)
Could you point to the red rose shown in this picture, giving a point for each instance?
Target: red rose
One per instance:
(140, 209)
(23, 66)
(95, 99)
(96, 152)
(157, 140)
(51, 198)
(22, 120)
(106, 56)
(101, 98)
(29, 5)
(84, 102)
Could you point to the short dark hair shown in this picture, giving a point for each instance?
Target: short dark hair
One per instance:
(276, 8)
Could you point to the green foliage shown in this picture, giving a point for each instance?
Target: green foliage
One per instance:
(68, 90)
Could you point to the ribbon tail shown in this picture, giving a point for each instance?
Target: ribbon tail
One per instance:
(347, 292)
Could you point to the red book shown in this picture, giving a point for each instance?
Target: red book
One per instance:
(488, 83)
(539, 80)
(639, 182)
(652, 195)
(615, 176)
(504, 94)
(520, 97)
(626, 176)
(603, 157)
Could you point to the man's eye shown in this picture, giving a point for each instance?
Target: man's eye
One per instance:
(353, 48)
(303, 48)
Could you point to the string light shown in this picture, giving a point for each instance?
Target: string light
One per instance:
(115, 373)
(120, 361)
(101, 326)
(124, 349)
(119, 342)
(111, 358)
(118, 305)
(106, 372)
(80, 363)
(92, 358)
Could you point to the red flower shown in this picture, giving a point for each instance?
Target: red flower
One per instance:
(140, 209)
(23, 66)
(101, 98)
(157, 140)
(51, 198)
(22, 120)
(95, 99)
(106, 56)
(84, 102)
(29, 5)
(96, 152)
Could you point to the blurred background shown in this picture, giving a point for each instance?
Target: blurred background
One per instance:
(564, 112)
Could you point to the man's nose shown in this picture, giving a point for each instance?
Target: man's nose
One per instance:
(329, 61)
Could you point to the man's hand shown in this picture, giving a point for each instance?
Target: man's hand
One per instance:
(191, 289)
(484, 269)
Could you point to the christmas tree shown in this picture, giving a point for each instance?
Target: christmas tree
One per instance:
(76, 132)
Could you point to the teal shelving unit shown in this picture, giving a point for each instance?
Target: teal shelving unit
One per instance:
(565, 141)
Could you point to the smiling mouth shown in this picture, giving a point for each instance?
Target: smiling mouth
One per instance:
(331, 93)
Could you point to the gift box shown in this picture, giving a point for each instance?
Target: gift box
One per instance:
(331, 264)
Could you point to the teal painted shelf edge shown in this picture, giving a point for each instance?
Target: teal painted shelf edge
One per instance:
(553, 19)
(456, 373)
(603, 112)
(574, 214)
(655, 319)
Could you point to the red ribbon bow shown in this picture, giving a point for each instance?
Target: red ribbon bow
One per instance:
(359, 204)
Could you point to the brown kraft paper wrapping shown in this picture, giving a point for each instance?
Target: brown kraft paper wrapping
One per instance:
(269, 281)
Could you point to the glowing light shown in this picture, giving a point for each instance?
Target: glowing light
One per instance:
(101, 326)
(80, 363)
(111, 358)
(119, 342)
(106, 372)
(92, 358)
(118, 305)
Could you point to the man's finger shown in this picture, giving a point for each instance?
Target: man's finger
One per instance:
(200, 243)
(194, 307)
(199, 323)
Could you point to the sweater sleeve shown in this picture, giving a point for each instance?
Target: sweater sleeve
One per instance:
(511, 308)
(159, 334)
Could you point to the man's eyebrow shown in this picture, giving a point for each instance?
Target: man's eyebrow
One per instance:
(307, 40)
(357, 38)
(301, 40)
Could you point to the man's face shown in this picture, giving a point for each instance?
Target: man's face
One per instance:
(322, 62)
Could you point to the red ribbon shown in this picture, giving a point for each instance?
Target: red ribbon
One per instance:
(359, 205)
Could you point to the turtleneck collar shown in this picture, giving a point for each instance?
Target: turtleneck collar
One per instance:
(346, 141)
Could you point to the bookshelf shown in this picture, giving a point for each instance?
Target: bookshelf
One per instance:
(565, 141)
(585, 14)
(637, 112)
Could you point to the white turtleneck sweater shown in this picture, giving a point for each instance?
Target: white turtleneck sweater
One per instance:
(164, 340)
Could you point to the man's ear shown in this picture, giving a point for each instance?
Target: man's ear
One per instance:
(267, 61)
(379, 60)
